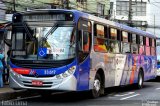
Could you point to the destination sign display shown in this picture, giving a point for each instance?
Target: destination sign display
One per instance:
(48, 17)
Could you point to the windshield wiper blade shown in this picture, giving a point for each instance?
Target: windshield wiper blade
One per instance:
(28, 32)
(43, 39)
(51, 30)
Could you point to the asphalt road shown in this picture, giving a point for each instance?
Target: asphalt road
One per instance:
(149, 95)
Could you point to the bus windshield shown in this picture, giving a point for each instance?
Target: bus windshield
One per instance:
(59, 42)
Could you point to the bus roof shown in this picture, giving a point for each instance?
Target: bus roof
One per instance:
(79, 14)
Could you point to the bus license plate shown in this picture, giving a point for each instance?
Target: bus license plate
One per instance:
(37, 83)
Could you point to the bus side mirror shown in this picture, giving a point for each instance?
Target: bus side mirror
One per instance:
(7, 40)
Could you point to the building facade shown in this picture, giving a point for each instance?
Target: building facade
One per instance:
(133, 13)
(97, 7)
(2, 12)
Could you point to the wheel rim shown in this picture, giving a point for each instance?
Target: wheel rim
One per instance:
(140, 80)
(97, 85)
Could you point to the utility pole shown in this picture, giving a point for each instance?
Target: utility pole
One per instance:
(67, 4)
(14, 6)
(130, 13)
(154, 24)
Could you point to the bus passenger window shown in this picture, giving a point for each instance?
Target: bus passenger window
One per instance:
(134, 48)
(100, 45)
(147, 47)
(141, 50)
(113, 34)
(99, 39)
(125, 48)
(125, 43)
(113, 46)
(153, 50)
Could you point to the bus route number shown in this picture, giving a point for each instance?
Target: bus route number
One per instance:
(49, 72)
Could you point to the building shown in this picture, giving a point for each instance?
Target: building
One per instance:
(2, 12)
(144, 15)
(23, 5)
(133, 13)
(97, 7)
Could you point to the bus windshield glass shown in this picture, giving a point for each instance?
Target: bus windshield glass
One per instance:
(52, 43)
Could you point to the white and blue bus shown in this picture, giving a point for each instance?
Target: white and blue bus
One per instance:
(74, 51)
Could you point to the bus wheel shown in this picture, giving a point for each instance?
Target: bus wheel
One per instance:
(140, 80)
(97, 86)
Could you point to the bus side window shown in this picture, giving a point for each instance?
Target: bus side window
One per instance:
(141, 46)
(125, 43)
(147, 47)
(99, 38)
(114, 41)
(134, 45)
(153, 50)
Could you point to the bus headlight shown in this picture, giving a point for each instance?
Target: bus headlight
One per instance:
(14, 73)
(67, 73)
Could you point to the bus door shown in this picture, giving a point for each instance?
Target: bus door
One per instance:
(84, 45)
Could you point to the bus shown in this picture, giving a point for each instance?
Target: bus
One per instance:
(69, 50)
(158, 56)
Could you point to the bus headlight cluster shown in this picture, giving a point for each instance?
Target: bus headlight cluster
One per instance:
(67, 73)
(14, 73)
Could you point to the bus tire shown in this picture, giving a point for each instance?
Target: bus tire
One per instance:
(97, 86)
(140, 80)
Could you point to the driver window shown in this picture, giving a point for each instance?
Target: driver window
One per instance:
(84, 39)
(84, 28)
(86, 42)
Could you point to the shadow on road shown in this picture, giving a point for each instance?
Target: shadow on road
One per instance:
(78, 97)
(157, 79)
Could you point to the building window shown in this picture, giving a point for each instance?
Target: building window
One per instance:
(138, 9)
(111, 8)
(122, 8)
(100, 8)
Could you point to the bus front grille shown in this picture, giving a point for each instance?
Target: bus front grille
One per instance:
(29, 84)
(38, 76)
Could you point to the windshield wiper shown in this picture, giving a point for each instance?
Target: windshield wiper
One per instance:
(43, 39)
(28, 32)
(51, 30)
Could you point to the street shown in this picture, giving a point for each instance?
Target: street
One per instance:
(115, 96)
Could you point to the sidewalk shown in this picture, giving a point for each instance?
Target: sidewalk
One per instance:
(7, 93)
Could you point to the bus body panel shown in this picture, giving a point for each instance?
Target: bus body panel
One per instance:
(83, 76)
(122, 69)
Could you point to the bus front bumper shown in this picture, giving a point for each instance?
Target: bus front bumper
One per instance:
(18, 81)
